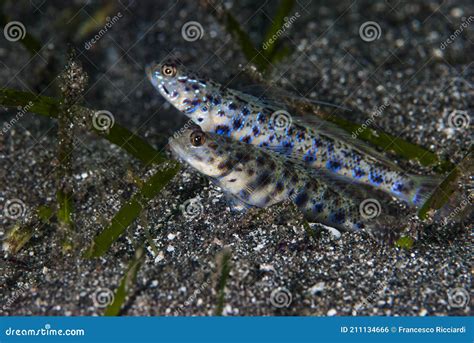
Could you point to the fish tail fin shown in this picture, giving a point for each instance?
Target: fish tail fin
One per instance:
(456, 210)
(385, 229)
(424, 188)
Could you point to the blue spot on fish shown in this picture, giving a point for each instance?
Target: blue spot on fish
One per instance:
(338, 217)
(300, 136)
(237, 124)
(397, 187)
(357, 173)
(246, 139)
(245, 111)
(223, 130)
(333, 165)
(310, 156)
(255, 130)
(191, 109)
(261, 117)
(216, 100)
(417, 198)
(316, 143)
(301, 199)
(318, 208)
(376, 179)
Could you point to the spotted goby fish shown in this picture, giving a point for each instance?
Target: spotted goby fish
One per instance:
(256, 177)
(320, 145)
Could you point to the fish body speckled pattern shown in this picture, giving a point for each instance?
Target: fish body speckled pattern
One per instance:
(259, 178)
(250, 120)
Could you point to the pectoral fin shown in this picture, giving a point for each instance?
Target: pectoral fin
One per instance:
(235, 204)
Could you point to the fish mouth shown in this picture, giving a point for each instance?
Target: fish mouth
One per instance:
(175, 154)
(176, 150)
(149, 71)
(152, 75)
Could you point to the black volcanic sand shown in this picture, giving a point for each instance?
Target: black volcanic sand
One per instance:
(270, 250)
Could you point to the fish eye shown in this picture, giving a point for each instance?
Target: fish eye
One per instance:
(168, 70)
(197, 138)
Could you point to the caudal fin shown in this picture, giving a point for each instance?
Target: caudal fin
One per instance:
(424, 188)
(457, 209)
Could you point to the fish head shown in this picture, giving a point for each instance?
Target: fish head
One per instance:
(202, 151)
(184, 89)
